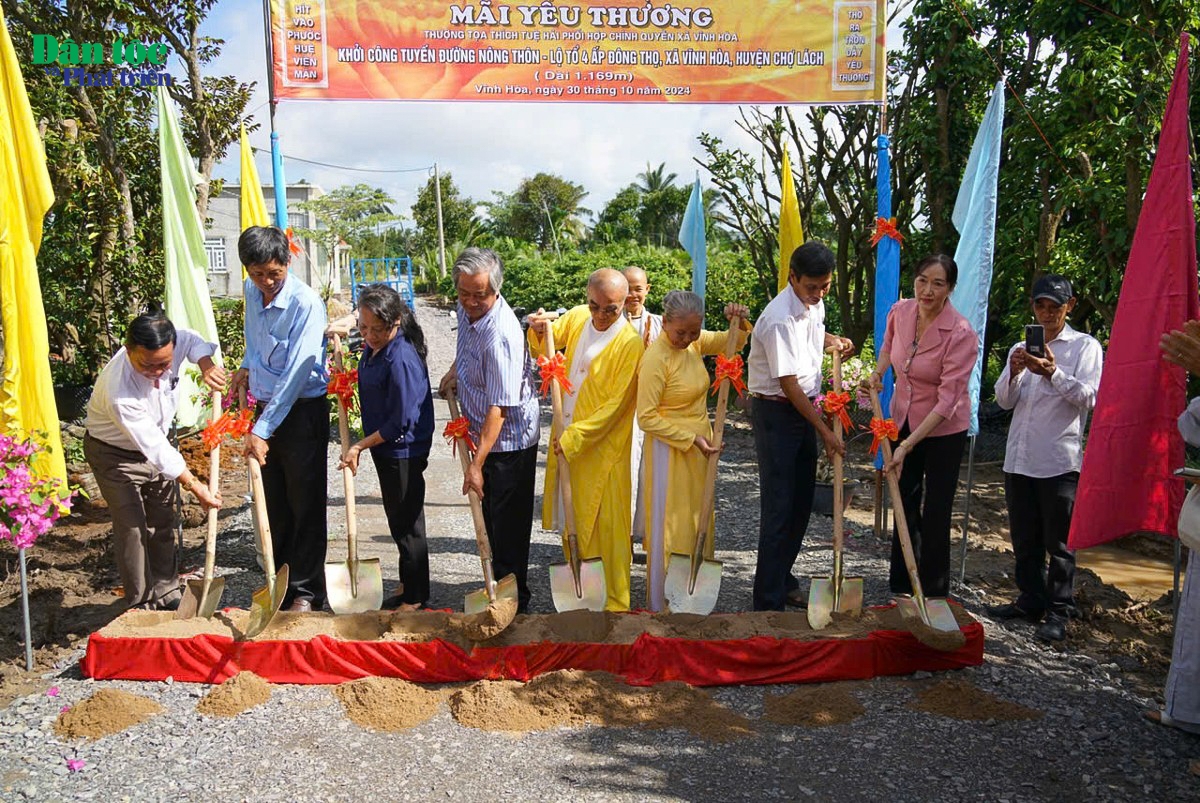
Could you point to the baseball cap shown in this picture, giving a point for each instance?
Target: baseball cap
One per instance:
(1054, 287)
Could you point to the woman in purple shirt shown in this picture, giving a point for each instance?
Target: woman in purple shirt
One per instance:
(397, 411)
(932, 348)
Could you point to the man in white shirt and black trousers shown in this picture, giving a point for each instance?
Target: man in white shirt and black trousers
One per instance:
(1050, 397)
(784, 373)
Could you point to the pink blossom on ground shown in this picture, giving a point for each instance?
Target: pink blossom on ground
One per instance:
(52, 691)
(75, 764)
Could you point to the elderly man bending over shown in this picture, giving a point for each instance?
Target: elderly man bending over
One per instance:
(602, 357)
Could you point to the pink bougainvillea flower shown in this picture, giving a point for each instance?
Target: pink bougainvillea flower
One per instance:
(52, 691)
(75, 764)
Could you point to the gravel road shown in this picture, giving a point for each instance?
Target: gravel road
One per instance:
(1089, 744)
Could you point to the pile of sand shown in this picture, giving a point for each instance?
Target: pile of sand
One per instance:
(240, 693)
(388, 704)
(813, 707)
(105, 712)
(574, 698)
(960, 699)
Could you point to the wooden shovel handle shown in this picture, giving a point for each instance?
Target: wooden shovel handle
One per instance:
(562, 469)
(260, 511)
(710, 475)
(347, 474)
(214, 485)
(464, 459)
(910, 560)
(839, 523)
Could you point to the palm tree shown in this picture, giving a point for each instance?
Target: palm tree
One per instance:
(655, 179)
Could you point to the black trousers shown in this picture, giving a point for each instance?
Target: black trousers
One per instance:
(1039, 519)
(508, 480)
(786, 447)
(402, 485)
(295, 481)
(931, 472)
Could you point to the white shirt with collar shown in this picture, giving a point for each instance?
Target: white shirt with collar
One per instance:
(131, 412)
(1045, 438)
(648, 326)
(788, 340)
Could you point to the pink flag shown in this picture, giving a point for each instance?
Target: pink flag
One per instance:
(1126, 484)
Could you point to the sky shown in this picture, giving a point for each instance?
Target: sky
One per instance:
(485, 146)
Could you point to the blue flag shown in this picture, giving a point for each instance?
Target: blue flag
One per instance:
(691, 237)
(887, 269)
(975, 218)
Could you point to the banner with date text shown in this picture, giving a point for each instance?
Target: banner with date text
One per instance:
(616, 51)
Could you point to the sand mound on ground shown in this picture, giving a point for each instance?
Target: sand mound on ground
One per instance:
(240, 693)
(106, 712)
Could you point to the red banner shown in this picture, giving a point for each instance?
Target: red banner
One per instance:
(615, 51)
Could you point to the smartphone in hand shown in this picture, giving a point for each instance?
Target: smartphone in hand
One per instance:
(1035, 340)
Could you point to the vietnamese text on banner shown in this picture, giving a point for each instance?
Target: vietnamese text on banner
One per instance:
(616, 51)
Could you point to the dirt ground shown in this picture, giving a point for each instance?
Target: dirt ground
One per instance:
(74, 588)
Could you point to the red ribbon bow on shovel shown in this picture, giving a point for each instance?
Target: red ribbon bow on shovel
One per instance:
(228, 426)
(835, 404)
(730, 369)
(880, 429)
(554, 369)
(341, 384)
(458, 428)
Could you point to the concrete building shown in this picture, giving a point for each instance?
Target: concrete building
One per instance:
(224, 227)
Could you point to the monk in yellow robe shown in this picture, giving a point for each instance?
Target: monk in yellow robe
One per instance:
(602, 356)
(673, 388)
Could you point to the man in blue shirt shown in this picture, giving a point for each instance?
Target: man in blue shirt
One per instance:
(493, 377)
(284, 367)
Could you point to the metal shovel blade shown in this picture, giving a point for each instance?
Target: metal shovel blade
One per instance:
(196, 603)
(939, 614)
(820, 602)
(506, 588)
(593, 590)
(353, 591)
(908, 608)
(264, 605)
(851, 598)
(703, 598)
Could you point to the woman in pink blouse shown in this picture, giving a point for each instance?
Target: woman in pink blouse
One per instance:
(932, 348)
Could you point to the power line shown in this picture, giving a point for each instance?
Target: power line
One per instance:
(345, 167)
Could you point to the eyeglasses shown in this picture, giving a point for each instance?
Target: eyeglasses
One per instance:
(376, 330)
(609, 311)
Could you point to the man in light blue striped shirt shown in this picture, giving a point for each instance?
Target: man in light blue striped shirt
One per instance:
(284, 367)
(493, 377)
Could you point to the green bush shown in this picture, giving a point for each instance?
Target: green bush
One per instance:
(230, 313)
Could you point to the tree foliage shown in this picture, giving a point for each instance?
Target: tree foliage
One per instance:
(348, 213)
(546, 210)
(458, 214)
(101, 255)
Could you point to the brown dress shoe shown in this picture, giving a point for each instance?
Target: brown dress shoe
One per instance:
(301, 605)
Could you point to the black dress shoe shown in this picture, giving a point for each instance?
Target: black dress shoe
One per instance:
(1011, 610)
(1053, 629)
(301, 605)
(797, 599)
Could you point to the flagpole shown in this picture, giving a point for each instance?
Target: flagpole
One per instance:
(277, 177)
(25, 611)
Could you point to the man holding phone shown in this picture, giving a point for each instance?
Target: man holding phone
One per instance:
(1050, 396)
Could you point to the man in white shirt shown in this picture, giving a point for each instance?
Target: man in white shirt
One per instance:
(784, 375)
(1050, 398)
(128, 416)
(649, 327)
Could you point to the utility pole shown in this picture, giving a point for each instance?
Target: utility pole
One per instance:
(437, 194)
(553, 231)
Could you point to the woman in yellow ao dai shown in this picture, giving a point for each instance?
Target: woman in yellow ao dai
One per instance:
(672, 387)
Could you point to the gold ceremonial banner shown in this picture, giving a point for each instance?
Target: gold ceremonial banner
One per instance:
(618, 51)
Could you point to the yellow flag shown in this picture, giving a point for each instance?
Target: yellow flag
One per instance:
(27, 391)
(791, 235)
(253, 206)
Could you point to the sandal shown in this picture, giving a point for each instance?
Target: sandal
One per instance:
(1159, 717)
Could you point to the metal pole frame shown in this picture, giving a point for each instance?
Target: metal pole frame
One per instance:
(25, 611)
(966, 528)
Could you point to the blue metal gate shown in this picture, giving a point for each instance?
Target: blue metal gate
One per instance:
(395, 272)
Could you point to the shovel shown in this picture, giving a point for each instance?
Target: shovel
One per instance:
(827, 595)
(352, 585)
(935, 613)
(576, 584)
(202, 597)
(492, 591)
(693, 582)
(264, 602)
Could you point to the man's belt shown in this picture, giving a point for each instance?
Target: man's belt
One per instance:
(769, 397)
